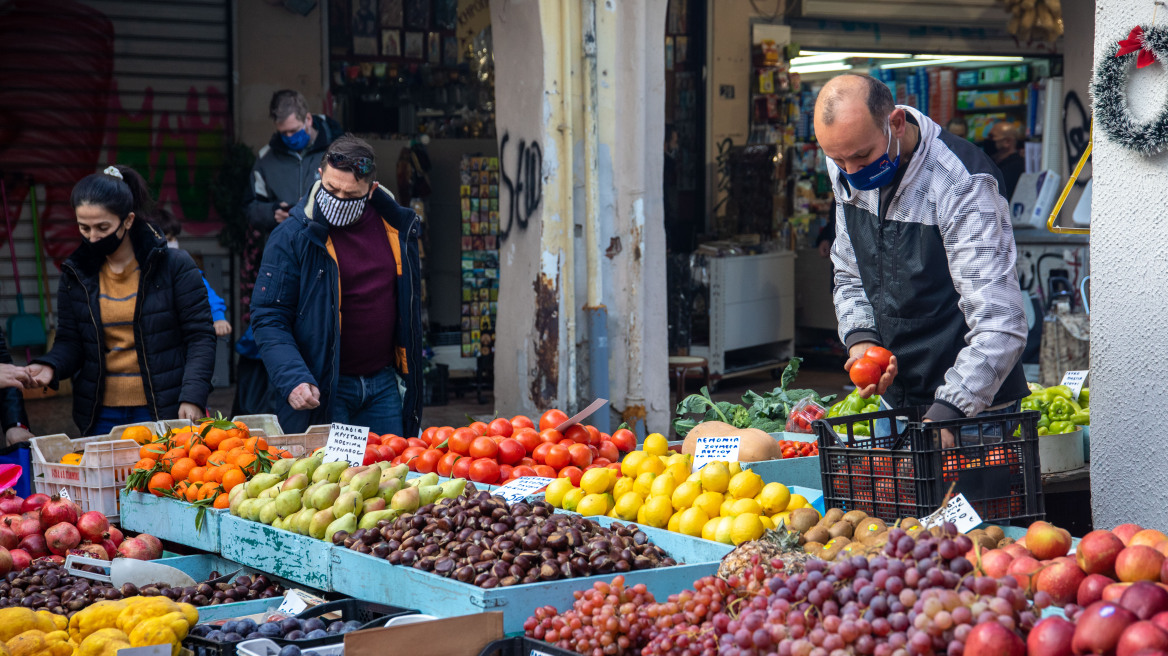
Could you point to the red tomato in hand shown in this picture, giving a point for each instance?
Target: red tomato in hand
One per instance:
(484, 447)
(484, 470)
(551, 419)
(558, 457)
(581, 455)
(571, 473)
(550, 435)
(880, 356)
(540, 453)
(608, 451)
(461, 467)
(578, 434)
(479, 428)
(511, 452)
(501, 427)
(522, 421)
(529, 438)
(624, 440)
(864, 372)
(398, 444)
(461, 440)
(446, 464)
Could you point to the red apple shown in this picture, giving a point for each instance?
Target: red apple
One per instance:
(992, 638)
(1148, 537)
(1017, 551)
(995, 563)
(1145, 599)
(1091, 589)
(1139, 563)
(1046, 541)
(1097, 552)
(1061, 581)
(1051, 637)
(1141, 635)
(1099, 628)
(1161, 620)
(1125, 532)
(1113, 592)
(1023, 570)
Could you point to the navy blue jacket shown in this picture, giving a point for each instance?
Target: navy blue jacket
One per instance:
(172, 330)
(295, 310)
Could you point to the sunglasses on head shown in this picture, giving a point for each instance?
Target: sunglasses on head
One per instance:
(362, 165)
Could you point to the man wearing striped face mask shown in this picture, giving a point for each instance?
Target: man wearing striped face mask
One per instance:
(337, 303)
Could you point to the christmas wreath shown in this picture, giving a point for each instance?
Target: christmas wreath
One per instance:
(1111, 107)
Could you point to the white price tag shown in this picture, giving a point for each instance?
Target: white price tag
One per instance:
(521, 488)
(1075, 380)
(152, 650)
(293, 603)
(64, 494)
(713, 449)
(583, 414)
(346, 443)
(957, 511)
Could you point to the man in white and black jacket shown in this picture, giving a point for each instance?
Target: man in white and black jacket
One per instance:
(924, 255)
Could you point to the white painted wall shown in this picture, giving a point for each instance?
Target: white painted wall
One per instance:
(1129, 458)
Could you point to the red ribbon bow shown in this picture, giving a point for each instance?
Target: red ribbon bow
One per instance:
(1133, 42)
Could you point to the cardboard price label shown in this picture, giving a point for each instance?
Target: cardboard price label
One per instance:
(293, 603)
(64, 494)
(152, 650)
(346, 443)
(1075, 380)
(957, 511)
(521, 488)
(713, 449)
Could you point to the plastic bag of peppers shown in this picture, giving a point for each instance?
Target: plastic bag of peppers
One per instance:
(1061, 411)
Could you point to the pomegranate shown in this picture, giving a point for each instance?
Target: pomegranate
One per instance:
(29, 526)
(34, 502)
(9, 502)
(20, 559)
(115, 534)
(111, 549)
(135, 548)
(62, 537)
(11, 520)
(93, 526)
(90, 550)
(5, 562)
(58, 511)
(153, 543)
(35, 545)
(8, 538)
(52, 558)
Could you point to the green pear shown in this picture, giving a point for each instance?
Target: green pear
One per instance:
(370, 519)
(301, 520)
(388, 488)
(406, 500)
(320, 521)
(348, 502)
(349, 473)
(397, 471)
(270, 493)
(346, 523)
(268, 513)
(259, 483)
(295, 482)
(282, 467)
(237, 492)
(365, 483)
(329, 471)
(325, 495)
(311, 489)
(249, 509)
(307, 466)
(382, 465)
(288, 502)
(278, 522)
(428, 494)
(424, 479)
(453, 488)
(236, 501)
(374, 504)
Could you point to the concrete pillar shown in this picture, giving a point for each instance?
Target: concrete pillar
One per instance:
(548, 186)
(1129, 460)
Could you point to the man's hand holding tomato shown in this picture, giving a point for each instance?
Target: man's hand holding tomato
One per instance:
(866, 361)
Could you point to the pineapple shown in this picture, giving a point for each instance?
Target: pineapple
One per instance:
(778, 543)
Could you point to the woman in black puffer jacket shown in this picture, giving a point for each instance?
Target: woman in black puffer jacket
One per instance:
(134, 328)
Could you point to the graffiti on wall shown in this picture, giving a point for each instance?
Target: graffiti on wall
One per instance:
(523, 177)
(1076, 134)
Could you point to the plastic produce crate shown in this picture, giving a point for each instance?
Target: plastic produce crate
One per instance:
(95, 483)
(523, 646)
(299, 445)
(170, 519)
(266, 425)
(903, 472)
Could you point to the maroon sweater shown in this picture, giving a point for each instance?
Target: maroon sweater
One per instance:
(368, 272)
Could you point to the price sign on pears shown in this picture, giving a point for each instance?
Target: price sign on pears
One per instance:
(346, 443)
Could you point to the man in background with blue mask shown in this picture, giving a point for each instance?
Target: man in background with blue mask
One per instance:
(924, 255)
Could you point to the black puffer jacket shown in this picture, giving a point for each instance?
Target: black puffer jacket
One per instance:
(172, 330)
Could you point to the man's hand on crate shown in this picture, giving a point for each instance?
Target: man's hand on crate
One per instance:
(948, 440)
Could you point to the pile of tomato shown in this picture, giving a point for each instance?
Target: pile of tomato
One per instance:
(794, 449)
(505, 449)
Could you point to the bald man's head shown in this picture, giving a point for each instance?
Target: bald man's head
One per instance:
(1006, 137)
(851, 92)
(856, 121)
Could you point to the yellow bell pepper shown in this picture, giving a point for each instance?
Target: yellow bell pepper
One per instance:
(103, 642)
(101, 615)
(159, 631)
(191, 613)
(16, 620)
(39, 643)
(137, 612)
(48, 622)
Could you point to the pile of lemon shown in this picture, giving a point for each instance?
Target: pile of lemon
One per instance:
(654, 487)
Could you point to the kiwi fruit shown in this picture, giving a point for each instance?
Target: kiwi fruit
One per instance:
(1004, 541)
(871, 526)
(802, 519)
(914, 531)
(908, 522)
(832, 516)
(986, 542)
(854, 517)
(995, 532)
(818, 534)
(832, 549)
(841, 528)
(877, 541)
(814, 549)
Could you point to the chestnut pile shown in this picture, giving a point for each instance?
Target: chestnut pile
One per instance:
(483, 540)
(46, 585)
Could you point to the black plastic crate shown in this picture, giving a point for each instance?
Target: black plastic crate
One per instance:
(370, 615)
(900, 469)
(522, 646)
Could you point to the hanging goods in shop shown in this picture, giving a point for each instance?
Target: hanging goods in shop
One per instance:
(1035, 20)
(1146, 45)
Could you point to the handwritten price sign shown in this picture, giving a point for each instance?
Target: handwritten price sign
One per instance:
(346, 443)
(1075, 380)
(521, 488)
(957, 511)
(714, 449)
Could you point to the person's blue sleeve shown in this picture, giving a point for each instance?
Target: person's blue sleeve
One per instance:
(218, 305)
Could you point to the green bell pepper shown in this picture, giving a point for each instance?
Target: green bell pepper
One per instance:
(862, 429)
(1041, 431)
(1058, 391)
(1034, 403)
(1060, 427)
(1035, 387)
(1084, 397)
(1044, 422)
(1082, 417)
(1062, 409)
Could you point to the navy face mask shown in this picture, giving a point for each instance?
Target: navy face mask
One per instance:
(877, 174)
(298, 141)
